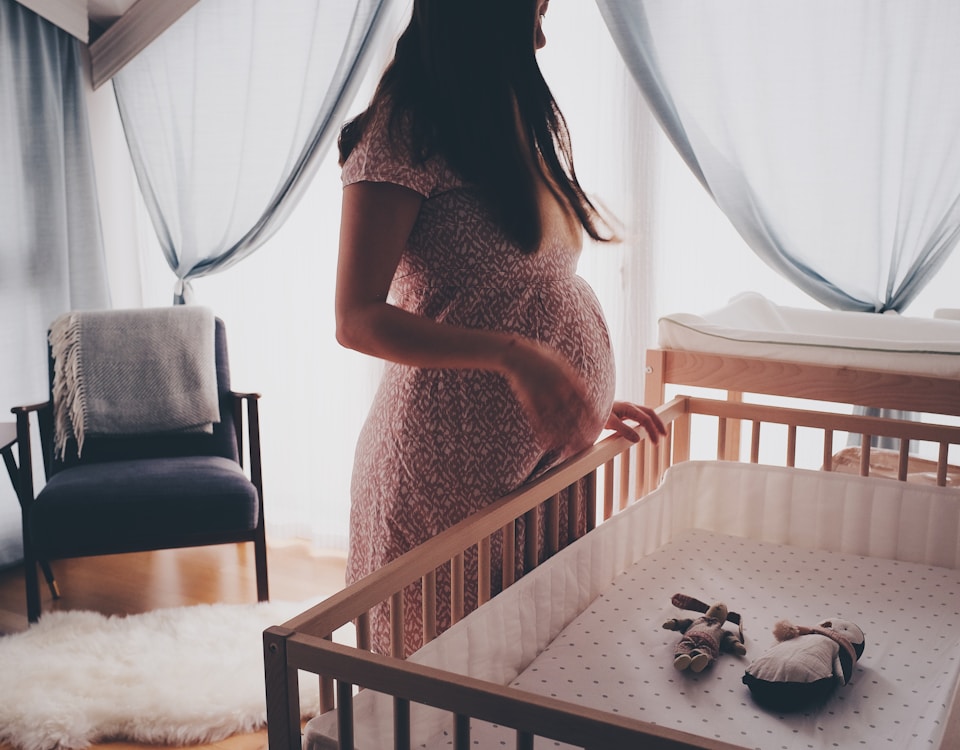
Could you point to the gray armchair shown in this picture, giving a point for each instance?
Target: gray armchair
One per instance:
(144, 492)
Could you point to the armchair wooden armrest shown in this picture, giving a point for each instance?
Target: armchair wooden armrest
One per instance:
(18, 410)
(44, 412)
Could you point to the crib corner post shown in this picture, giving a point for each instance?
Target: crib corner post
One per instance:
(282, 691)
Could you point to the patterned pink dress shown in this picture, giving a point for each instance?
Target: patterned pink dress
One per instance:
(440, 444)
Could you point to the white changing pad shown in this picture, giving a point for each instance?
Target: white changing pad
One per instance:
(752, 326)
(774, 543)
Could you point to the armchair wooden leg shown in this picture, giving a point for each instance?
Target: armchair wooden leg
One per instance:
(33, 589)
(51, 581)
(260, 557)
(12, 469)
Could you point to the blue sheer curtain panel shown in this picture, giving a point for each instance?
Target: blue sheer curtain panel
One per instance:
(826, 132)
(227, 115)
(51, 248)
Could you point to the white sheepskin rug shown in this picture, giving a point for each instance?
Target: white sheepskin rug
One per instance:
(173, 676)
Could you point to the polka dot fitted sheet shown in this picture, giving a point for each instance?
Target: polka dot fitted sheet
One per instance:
(616, 657)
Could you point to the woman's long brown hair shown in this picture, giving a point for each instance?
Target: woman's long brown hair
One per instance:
(465, 80)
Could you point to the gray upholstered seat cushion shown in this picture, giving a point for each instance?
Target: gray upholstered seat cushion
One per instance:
(81, 510)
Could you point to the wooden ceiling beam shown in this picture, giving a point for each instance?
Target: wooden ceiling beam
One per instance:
(130, 34)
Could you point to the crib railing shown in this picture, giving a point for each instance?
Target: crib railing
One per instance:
(904, 431)
(607, 477)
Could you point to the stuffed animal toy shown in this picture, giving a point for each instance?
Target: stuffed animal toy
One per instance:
(705, 637)
(805, 665)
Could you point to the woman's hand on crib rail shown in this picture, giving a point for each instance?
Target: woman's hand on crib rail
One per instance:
(644, 416)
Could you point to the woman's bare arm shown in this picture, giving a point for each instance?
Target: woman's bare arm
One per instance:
(376, 221)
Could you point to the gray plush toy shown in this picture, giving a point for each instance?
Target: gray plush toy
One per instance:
(704, 637)
(805, 665)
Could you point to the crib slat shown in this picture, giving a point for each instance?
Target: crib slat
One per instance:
(639, 448)
(942, 465)
(608, 489)
(483, 570)
(428, 598)
(678, 435)
(575, 505)
(828, 450)
(650, 462)
(396, 626)
(362, 623)
(553, 525)
(345, 713)
(531, 524)
(792, 445)
(326, 688)
(326, 694)
(461, 732)
(664, 454)
(624, 479)
(590, 492)
(732, 430)
(456, 588)
(755, 442)
(903, 461)
(401, 724)
(509, 554)
(722, 439)
(865, 455)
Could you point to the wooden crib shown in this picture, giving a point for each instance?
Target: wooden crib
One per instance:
(616, 476)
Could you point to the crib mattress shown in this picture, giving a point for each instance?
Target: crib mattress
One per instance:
(774, 544)
(899, 690)
(752, 326)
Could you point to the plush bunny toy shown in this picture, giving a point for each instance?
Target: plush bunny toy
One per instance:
(805, 665)
(705, 637)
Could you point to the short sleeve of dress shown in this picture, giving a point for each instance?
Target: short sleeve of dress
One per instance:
(381, 156)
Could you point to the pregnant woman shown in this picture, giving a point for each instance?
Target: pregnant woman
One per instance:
(462, 223)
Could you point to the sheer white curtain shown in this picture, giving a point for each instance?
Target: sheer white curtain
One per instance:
(228, 114)
(825, 131)
(51, 250)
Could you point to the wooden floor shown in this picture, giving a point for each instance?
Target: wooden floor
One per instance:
(128, 584)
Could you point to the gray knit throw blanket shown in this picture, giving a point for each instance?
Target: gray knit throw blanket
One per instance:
(133, 372)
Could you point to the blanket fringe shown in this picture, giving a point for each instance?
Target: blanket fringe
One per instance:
(69, 394)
